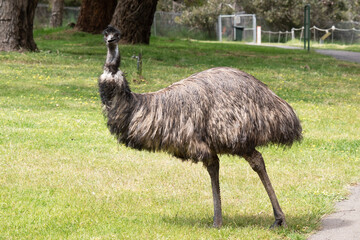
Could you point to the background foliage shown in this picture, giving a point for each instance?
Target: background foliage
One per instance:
(204, 16)
(283, 15)
(279, 15)
(276, 15)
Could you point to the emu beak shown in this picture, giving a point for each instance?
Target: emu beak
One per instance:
(111, 40)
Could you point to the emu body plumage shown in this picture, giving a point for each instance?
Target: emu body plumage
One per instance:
(218, 111)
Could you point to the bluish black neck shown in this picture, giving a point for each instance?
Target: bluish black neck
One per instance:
(113, 58)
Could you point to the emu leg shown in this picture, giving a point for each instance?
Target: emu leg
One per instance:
(258, 165)
(213, 169)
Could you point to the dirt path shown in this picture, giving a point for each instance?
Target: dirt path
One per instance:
(338, 54)
(341, 55)
(344, 224)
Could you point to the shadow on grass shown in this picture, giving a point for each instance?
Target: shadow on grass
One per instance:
(302, 223)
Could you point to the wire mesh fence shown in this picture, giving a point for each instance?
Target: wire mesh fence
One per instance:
(169, 24)
(277, 37)
(237, 27)
(43, 14)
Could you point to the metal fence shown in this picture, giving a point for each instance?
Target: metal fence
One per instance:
(239, 27)
(168, 24)
(43, 14)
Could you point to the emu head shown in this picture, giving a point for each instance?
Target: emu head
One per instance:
(111, 35)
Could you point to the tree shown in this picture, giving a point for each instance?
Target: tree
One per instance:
(134, 19)
(204, 14)
(354, 10)
(95, 15)
(57, 10)
(177, 5)
(283, 15)
(16, 28)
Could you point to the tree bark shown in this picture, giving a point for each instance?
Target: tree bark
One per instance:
(95, 15)
(57, 10)
(134, 19)
(16, 25)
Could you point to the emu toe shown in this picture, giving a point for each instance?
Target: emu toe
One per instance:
(217, 223)
(278, 223)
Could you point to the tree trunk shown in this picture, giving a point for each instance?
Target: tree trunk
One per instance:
(57, 10)
(134, 19)
(16, 25)
(95, 15)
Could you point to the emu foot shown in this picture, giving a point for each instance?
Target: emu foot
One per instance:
(278, 223)
(217, 223)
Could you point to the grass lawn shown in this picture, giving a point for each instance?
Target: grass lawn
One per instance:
(63, 176)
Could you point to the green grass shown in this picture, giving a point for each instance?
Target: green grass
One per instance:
(63, 176)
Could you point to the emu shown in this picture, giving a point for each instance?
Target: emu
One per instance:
(218, 111)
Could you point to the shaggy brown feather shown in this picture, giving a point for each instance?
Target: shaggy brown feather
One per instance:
(217, 111)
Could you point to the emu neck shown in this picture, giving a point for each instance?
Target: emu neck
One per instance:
(112, 83)
(112, 58)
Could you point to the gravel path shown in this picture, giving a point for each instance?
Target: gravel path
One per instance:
(338, 54)
(341, 55)
(344, 224)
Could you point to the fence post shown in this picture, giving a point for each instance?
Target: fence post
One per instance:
(258, 35)
(220, 28)
(292, 34)
(307, 26)
(279, 37)
(254, 28)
